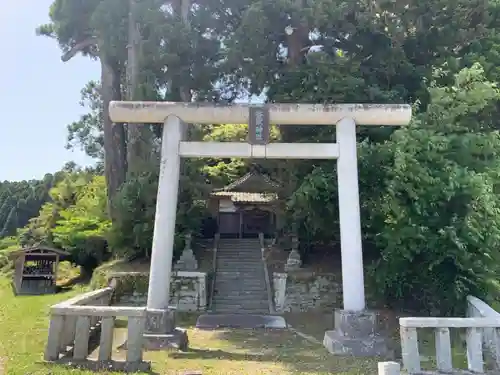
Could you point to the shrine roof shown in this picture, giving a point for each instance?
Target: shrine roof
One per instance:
(243, 197)
(39, 249)
(254, 176)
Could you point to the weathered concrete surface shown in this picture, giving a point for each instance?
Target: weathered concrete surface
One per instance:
(389, 368)
(188, 290)
(245, 321)
(161, 332)
(279, 113)
(177, 339)
(160, 321)
(356, 334)
(302, 291)
(479, 309)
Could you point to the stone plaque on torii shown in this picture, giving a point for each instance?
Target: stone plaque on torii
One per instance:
(258, 125)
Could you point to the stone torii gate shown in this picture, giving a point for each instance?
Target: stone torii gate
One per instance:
(352, 323)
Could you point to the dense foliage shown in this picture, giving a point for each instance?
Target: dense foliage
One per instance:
(20, 201)
(430, 215)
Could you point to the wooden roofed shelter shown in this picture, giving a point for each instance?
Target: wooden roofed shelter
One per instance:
(35, 269)
(247, 207)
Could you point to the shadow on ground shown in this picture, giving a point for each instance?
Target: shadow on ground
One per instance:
(278, 347)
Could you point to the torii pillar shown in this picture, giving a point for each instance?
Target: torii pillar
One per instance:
(354, 327)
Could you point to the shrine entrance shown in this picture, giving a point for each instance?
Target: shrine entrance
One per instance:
(256, 221)
(344, 117)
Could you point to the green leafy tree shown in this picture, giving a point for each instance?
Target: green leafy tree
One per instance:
(83, 226)
(441, 209)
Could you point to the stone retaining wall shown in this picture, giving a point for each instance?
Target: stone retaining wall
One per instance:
(297, 291)
(188, 289)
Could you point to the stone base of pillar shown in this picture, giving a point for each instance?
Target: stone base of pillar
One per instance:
(160, 321)
(355, 334)
(161, 332)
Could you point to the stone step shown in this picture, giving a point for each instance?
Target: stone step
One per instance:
(237, 272)
(241, 279)
(249, 249)
(249, 293)
(239, 268)
(239, 240)
(230, 273)
(239, 275)
(240, 255)
(251, 287)
(241, 304)
(237, 310)
(239, 244)
(246, 254)
(239, 285)
(240, 259)
(239, 282)
(244, 293)
(239, 301)
(237, 262)
(237, 307)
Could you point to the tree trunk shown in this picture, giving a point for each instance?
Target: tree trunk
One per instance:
(297, 43)
(115, 166)
(181, 11)
(298, 40)
(139, 138)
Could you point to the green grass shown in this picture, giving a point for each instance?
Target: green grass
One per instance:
(24, 322)
(23, 334)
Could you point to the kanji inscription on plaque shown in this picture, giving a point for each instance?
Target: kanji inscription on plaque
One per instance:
(258, 125)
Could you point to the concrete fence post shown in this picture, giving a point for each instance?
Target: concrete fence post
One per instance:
(389, 368)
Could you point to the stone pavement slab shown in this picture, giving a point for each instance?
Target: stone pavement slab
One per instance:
(245, 321)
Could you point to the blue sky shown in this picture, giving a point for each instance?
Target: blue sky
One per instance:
(39, 94)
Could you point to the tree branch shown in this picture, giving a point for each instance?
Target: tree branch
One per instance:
(78, 47)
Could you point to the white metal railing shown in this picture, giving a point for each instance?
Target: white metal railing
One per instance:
(214, 269)
(270, 299)
(75, 322)
(441, 326)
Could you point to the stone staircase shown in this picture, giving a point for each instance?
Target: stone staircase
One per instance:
(240, 286)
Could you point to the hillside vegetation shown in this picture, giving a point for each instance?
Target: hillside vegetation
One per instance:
(429, 191)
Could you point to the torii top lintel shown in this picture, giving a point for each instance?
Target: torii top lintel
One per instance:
(282, 114)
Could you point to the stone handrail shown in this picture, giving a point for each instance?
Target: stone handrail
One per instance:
(73, 323)
(479, 309)
(214, 269)
(270, 293)
(100, 297)
(441, 326)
